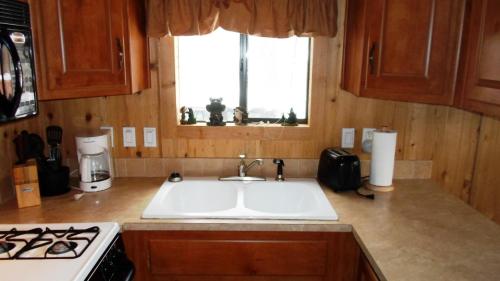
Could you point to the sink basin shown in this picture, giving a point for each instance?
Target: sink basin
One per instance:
(298, 199)
(193, 197)
(282, 197)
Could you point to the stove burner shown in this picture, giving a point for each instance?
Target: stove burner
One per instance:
(5, 247)
(61, 247)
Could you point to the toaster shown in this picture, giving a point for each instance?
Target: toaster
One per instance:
(339, 169)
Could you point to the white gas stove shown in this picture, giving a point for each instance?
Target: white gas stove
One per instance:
(62, 252)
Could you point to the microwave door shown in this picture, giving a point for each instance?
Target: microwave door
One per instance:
(11, 78)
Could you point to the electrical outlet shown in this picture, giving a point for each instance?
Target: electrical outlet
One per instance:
(129, 137)
(348, 135)
(149, 137)
(111, 133)
(367, 134)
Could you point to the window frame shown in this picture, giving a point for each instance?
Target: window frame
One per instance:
(243, 82)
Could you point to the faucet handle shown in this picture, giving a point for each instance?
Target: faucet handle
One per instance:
(242, 156)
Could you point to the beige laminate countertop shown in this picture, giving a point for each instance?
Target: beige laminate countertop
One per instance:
(418, 232)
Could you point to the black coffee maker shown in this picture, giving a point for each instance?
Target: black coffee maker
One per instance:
(53, 177)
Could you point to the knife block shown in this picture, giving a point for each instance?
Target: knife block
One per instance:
(26, 184)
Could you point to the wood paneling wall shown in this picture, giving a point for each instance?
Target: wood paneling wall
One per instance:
(332, 110)
(485, 194)
(463, 146)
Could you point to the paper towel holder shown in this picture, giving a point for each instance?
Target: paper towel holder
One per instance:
(378, 184)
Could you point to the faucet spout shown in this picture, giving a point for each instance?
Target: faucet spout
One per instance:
(243, 168)
(253, 163)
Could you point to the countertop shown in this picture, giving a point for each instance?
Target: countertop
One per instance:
(417, 232)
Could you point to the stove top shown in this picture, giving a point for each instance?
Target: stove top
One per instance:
(46, 243)
(34, 251)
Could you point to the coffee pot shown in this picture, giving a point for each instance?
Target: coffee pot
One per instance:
(94, 159)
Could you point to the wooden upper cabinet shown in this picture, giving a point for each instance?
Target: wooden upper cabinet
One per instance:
(88, 48)
(480, 63)
(403, 50)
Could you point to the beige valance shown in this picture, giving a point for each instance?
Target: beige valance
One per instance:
(269, 18)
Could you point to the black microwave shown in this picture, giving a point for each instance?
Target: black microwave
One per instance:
(18, 98)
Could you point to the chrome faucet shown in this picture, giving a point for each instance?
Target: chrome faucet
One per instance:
(243, 167)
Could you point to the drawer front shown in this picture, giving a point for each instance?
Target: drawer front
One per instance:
(225, 257)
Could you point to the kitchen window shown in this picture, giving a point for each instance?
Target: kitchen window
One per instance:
(268, 76)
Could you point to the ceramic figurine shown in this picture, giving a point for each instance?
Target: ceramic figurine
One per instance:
(191, 119)
(183, 115)
(291, 120)
(240, 116)
(216, 108)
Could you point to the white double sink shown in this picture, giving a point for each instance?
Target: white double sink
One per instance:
(210, 198)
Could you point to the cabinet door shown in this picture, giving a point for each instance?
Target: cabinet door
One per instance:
(242, 256)
(82, 46)
(411, 49)
(482, 75)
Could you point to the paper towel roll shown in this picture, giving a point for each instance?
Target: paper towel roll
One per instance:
(383, 153)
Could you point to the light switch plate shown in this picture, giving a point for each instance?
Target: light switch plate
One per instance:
(111, 133)
(129, 137)
(149, 137)
(367, 134)
(348, 135)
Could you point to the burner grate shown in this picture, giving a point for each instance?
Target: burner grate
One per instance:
(10, 238)
(53, 242)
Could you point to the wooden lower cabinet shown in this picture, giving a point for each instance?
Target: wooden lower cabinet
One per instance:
(222, 255)
(365, 270)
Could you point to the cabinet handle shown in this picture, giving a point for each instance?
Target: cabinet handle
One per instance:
(120, 53)
(371, 57)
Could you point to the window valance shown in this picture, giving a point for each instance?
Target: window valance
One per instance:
(268, 18)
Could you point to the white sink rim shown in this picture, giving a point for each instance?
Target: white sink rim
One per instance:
(324, 211)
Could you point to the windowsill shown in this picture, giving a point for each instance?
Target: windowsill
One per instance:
(270, 132)
(252, 125)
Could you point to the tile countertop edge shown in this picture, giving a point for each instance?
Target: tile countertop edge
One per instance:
(233, 225)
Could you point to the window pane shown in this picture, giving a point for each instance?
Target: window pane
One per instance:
(208, 66)
(277, 76)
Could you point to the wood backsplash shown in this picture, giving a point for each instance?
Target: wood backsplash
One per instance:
(463, 146)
